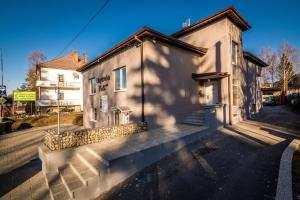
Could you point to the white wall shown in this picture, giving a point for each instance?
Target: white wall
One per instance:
(47, 93)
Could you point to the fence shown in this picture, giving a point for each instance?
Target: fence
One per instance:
(77, 138)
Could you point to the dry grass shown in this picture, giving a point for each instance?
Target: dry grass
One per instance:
(46, 120)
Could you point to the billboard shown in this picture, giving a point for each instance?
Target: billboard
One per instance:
(24, 96)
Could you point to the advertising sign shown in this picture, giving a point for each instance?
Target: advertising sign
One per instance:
(24, 96)
(104, 103)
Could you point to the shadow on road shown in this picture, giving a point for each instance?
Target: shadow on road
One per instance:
(18, 176)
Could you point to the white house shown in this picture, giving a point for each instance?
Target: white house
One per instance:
(58, 79)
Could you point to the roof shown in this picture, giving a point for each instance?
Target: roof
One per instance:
(210, 75)
(145, 32)
(230, 12)
(66, 62)
(254, 59)
(271, 89)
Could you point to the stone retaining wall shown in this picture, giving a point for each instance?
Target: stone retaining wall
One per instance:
(77, 138)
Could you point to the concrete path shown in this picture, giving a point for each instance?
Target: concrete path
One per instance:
(240, 162)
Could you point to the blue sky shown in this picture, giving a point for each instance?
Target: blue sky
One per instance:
(48, 25)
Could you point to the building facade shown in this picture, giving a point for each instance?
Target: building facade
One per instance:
(161, 79)
(58, 79)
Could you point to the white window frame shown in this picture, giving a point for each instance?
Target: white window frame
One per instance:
(122, 87)
(91, 91)
(234, 63)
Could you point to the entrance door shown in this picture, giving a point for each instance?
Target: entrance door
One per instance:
(211, 92)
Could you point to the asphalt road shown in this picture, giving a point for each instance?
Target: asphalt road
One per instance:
(240, 162)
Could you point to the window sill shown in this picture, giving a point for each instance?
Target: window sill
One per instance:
(92, 94)
(122, 90)
(94, 121)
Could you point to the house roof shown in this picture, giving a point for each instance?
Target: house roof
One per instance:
(145, 32)
(230, 12)
(66, 62)
(254, 59)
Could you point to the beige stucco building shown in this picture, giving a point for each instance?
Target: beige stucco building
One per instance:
(160, 79)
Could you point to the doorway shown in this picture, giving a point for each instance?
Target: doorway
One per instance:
(211, 92)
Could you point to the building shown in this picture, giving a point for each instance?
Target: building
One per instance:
(60, 75)
(161, 79)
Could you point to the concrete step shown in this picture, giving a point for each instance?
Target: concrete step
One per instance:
(198, 113)
(195, 117)
(93, 162)
(194, 124)
(84, 173)
(71, 180)
(194, 121)
(56, 187)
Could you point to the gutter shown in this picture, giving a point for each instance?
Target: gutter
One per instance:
(142, 77)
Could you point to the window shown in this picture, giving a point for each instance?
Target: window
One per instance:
(92, 86)
(234, 60)
(61, 78)
(120, 78)
(94, 114)
(61, 96)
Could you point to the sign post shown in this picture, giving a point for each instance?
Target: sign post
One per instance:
(2, 99)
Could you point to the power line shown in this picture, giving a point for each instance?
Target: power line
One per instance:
(84, 27)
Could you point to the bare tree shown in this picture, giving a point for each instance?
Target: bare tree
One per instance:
(271, 58)
(34, 59)
(289, 59)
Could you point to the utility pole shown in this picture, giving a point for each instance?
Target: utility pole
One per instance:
(58, 107)
(1, 111)
(1, 69)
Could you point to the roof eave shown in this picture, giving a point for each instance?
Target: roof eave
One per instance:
(241, 22)
(255, 59)
(142, 34)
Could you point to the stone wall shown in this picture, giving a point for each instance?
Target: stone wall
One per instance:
(77, 138)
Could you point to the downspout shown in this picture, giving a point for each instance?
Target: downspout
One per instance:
(142, 77)
(229, 101)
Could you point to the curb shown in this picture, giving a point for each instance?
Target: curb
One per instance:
(284, 184)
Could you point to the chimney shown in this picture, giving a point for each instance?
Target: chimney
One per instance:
(84, 58)
(75, 57)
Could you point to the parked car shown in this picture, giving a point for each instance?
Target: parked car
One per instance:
(269, 101)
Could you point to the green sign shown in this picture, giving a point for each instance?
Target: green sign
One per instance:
(2, 100)
(24, 96)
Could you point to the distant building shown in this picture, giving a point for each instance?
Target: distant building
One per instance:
(60, 73)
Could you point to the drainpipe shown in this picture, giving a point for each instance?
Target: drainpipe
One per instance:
(142, 77)
(229, 100)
